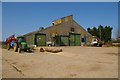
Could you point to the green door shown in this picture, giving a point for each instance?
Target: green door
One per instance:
(72, 39)
(64, 40)
(40, 39)
(77, 39)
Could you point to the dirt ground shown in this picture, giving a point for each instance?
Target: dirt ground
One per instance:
(73, 62)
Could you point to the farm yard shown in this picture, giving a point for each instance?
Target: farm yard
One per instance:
(72, 62)
(47, 40)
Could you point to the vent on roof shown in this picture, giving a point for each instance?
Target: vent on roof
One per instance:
(63, 19)
(40, 28)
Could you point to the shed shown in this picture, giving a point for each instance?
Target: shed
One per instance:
(64, 31)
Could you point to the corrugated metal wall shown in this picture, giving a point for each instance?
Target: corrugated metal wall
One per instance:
(40, 39)
(72, 40)
(64, 40)
(30, 39)
(75, 39)
(64, 28)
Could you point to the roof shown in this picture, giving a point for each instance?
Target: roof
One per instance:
(40, 31)
(63, 17)
(37, 31)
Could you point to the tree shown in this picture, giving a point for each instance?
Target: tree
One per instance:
(88, 29)
(108, 33)
(103, 33)
(100, 32)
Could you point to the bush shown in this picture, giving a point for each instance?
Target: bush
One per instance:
(3, 45)
(116, 41)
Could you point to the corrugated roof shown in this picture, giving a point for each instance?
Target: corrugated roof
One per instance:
(40, 31)
(62, 17)
(37, 31)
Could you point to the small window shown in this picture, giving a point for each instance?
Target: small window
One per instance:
(82, 39)
(72, 30)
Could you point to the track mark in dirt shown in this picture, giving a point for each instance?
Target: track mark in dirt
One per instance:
(104, 62)
(15, 67)
(24, 65)
(95, 68)
(72, 75)
(14, 63)
(112, 54)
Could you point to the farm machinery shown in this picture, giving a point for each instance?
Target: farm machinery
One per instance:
(17, 44)
(96, 42)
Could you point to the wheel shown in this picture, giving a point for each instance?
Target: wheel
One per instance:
(19, 50)
(8, 46)
(49, 44)
(25, 50)
(100, 45)
(15, 47)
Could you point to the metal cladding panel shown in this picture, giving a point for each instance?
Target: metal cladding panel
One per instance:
(77, 40)
(72, 40)
(64, 41)
(40, 39)
(30, 39)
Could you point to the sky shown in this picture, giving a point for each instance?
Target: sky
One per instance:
(23, 17)
(0, 21)
(60, 0)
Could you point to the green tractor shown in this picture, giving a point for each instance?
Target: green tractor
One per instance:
(21, 45)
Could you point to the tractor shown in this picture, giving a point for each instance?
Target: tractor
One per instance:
(18, 44)
(21, 44)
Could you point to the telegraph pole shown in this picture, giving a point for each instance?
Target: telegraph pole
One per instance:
(100, 33)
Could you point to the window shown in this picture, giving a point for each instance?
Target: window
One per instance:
(72, 30)
(82, 39)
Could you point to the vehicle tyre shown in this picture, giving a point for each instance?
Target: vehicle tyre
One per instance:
(15, 47)
(100, 45)
(49, 44)
(25, 50)
(19, 50)
(8, 46)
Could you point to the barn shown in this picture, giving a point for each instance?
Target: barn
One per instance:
(64, 31)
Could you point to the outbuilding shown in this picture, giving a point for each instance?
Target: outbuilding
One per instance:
(64, 31)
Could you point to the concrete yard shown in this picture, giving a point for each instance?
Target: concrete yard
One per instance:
(73, 62)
